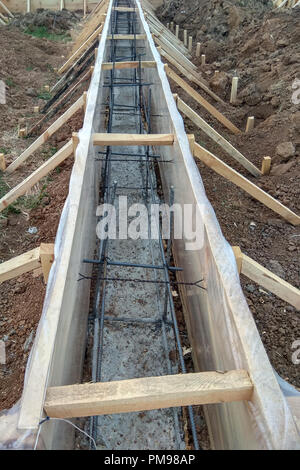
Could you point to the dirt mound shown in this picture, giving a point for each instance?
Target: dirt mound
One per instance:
(56, 21)
(213, 17)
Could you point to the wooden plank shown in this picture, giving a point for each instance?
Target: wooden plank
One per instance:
(46, 258)
(270, 281)
(38, 174)
(124, 9)
(20, 265)
(46, 135)
(125, 37)
(211, 109)
(80, 50)
(149, 393)
(105, 140)
(175, 53)
(189, 74)
(239, 180)
(6, 9)
(128, 65)
(216, 137)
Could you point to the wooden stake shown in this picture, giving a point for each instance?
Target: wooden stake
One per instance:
(250, 124)
(84, 8)
(46, 87)
(239, 180)
(36, 176)
(177, 31)
(75, 140)
(36, 109)
(168, 25)
(185, 40)
(22, 132)
(172, 26)
(96, 52)
(238, 256)
(2, 162)
(234, 88)
(190, 48)
(266, 165)
(28, 6)
(203, 59)
(47, 258)
(191, 139)
(198, 49)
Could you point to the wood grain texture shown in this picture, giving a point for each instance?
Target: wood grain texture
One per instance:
(133, 139)
(148, 393)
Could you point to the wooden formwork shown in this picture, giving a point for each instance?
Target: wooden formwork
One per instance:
(244, 405)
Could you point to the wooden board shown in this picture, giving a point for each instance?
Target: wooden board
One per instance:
(133, 139)
(211, 109)
(126, 37)
(216, 137)
(270, 281)
(149, 393)
(239, 180)
(46, 135)
(20, 265)
(38, 174)
(128, 65)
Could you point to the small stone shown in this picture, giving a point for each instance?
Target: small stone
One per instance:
(285, 150)
(250, 288)
(281, 169)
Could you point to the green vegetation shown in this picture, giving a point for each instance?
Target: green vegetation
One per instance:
(4, 188)
(42, 32)
(44, 95)
(35, 200)
(9, 82)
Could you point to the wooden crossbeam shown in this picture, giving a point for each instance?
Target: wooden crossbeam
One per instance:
(148, 393)
(80, 50)
(128, 65)
(36, 176)
(47, 134)
(42, 256)
(239, 180)
(133, 139)
(216, 137)
(267, 279)
(125, 37)
(211, 109)
(124, 9)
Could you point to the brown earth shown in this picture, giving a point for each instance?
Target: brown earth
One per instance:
(263, 49)
(21, 299)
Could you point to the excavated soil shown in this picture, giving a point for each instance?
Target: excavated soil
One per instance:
(26, 65)
(262, 48)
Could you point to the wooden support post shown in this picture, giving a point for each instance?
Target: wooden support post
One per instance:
(22, 132)
(148, 393)
(250, 124)
(266, 165)
(85, 97)
(133, 139)
(84, 8)
(185, 40)
(198, 49)
(75, 140)
(203, 59)
(38, 174)
(216, 137)
(47, 88)
(46, 258)
(270, 281)
(197, 97)
(20, 265)
(234, 88)
(62, 4)
(46, 135)
(239, 180)
(168, 25)
(191, 139)
(28, 6)
(36, 109)
(190, 48)
(172, 26)
(2, 162)
(177, 31)
(238, 256)
(96, 52)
